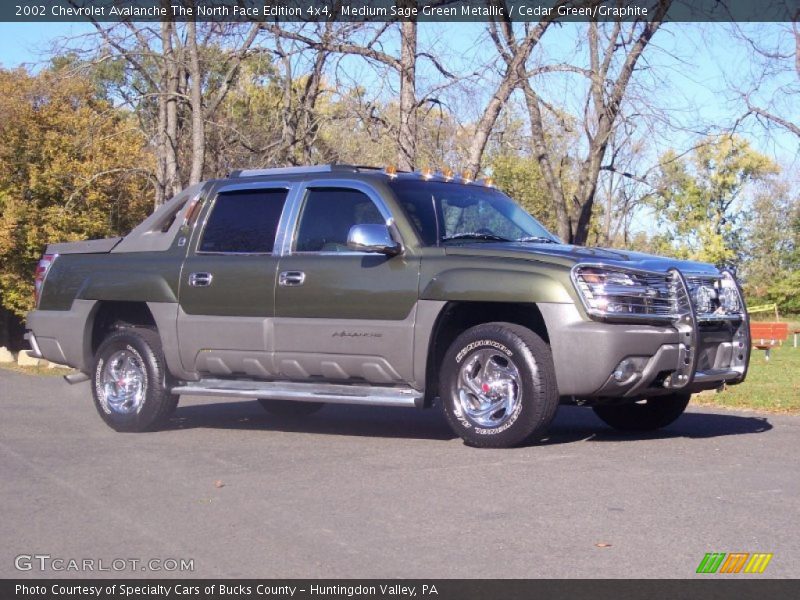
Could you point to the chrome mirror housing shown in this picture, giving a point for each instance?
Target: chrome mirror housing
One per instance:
(373, 238)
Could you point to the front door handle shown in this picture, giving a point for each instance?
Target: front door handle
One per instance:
(291, 278)
(200, 279)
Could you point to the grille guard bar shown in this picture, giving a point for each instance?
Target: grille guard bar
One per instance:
(740, 359)
(686, 324)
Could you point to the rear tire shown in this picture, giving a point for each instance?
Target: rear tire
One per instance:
(290, 408)
(130, 387)
(647, 415)
(498, 386)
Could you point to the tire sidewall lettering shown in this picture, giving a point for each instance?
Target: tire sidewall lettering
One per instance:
(504, 426)
(474, 345)
(98, 388)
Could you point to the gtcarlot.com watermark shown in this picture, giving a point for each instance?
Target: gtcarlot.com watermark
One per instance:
(48, 563)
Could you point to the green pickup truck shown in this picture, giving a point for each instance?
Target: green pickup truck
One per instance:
(343, 284)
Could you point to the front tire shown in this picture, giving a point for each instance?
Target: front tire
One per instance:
(130, 387)
(290, 408)
(498, 386)
(647, 415)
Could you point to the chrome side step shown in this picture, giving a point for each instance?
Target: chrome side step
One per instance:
(304, 392)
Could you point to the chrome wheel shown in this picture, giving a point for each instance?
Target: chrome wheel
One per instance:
(123, 382)
(489, 390)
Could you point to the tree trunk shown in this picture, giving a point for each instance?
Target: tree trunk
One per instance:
(311, 94)
(5, 329)
(515, 68)
(161, 145)
(542, 154)
(602, 109)
(196, 98)
(171, 178)
(407, 132)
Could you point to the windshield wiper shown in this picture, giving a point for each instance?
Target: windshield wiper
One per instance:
(539, 239)
(474, 235)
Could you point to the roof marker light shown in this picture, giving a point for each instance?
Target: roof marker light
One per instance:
(391, 171)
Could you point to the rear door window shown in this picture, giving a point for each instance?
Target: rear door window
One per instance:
(244, 221)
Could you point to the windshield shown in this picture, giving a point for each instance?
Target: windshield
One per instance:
(456, 213)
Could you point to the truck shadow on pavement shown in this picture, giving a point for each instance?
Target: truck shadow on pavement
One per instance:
(572, 424)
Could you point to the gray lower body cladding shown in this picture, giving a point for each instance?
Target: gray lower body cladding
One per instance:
(586, 354)
(62, 335)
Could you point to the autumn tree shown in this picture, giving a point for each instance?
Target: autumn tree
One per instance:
(72, 167)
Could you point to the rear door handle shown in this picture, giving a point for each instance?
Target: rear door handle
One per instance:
(200, 279)
(291, 278)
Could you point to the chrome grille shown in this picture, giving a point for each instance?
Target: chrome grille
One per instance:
(660, 300)
(618, 293)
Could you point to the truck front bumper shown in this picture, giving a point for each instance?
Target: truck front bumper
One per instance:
(599, 361)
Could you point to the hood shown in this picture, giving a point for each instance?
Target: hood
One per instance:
(569, 255)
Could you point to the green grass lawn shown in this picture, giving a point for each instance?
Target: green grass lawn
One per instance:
(773, 385)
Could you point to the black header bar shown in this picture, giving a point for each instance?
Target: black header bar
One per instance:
(396, 10)
(713, 588)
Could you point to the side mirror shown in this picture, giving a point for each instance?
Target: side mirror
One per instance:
(373, 238)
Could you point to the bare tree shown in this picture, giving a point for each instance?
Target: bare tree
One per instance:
(614, 51)
(771, 96)
(366, 40)
(515, 54)
(169, 70)
(301, 94)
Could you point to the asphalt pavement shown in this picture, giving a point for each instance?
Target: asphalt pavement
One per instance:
(384, 492)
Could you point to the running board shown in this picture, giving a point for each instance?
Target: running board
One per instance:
(304, 392)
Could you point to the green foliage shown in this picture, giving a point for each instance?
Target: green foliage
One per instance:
(785, 291)
(520, 178)
(655, 244)
(71, 167)
(701, 197)
(772, 268)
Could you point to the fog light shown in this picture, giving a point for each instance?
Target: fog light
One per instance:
(625, 371)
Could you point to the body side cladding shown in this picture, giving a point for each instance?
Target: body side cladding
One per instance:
(165, 315)
(65, 336)
(428, 314)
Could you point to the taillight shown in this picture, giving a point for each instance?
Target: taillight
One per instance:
(42, 268)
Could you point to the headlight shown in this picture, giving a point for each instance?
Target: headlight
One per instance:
(729, 295)
(609, 292)
(704, 297)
